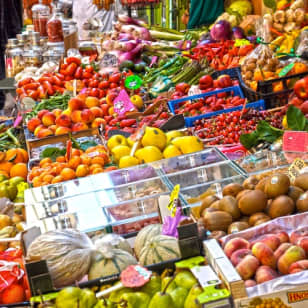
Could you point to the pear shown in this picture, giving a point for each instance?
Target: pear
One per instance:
(136, 300)
(188, 144)
(168, 284)
(115, 141)
(68, 297)
(153, 286)
(194, 292)
(179, 296)
(161, 300)
(87, 298)
(116, 295)
(171, 151)
(185, 279)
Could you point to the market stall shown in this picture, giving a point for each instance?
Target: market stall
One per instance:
(155, 165)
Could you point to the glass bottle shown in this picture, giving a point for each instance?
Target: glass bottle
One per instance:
(40, 16)
(13, 58)
(55, 27)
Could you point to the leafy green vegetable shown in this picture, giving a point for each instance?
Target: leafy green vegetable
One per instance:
(270, 4)
(87, 144)
(52, 153)
(249, 140)
(296, 119)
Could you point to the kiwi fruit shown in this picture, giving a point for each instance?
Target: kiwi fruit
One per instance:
(261, 184)
(229, 205)
(232, 189)
(277, 185)
(302, 203)
(237, 227)
(217, 234)
(206, 202)
(251, 182)
(255, 217)
(244, 218)
(302, 181)
(242, 193)
(252, 202)
(261, 221)
(294, 192)
(218, 220)
(281, 206)
(216, 205)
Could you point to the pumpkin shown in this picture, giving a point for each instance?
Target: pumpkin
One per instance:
(114, 241)
(159, 249)
(67, 253)
(145, 235)
(109, 262)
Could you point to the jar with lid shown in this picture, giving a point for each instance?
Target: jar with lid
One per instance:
(40, 16)
(55, 27)
(88, 49)
(32, 58)
(53, 55)
(13, 58)
(71, 35)
(22, 39)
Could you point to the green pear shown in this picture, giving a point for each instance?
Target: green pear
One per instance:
(161, 300)
(16, 180)
(179, 296)
(3, 177)
(194, 292)
(104, 304)
(115, 296)
(153, 286)
(171, 284)
(3, 191)
(185, 279)
(135, 300)
(68, 297)
(12, 191)
(87, 299)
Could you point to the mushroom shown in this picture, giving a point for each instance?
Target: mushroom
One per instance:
(279, 16)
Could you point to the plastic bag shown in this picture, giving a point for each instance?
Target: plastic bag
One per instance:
(113, 241)
(67, 252)
(303, 44)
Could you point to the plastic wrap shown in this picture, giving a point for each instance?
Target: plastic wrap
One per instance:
(113, 241)
(68, 255)
(303, 44)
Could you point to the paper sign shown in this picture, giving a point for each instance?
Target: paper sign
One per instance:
(109, 60)
(296, 167)
(135, 276)
(122, 103)
(286, 70)
(295, 141)
(205, 275)
(173, 197)
(211, 294)
(133, 82)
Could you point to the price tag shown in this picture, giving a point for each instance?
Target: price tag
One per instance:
(211, 294)
(295, 168)
(286, 70)
(135, 276)
(295, 141)
(173, 200)
(190, 263)
(133, 82)
(122, 103)
(109, 60)
(205, 275)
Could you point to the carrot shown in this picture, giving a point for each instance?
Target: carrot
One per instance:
(274, 31)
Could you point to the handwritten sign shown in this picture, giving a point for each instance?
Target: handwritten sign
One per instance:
(296, 167)
(109, 60)
(133, 82)
(122, 103)
(295, 141)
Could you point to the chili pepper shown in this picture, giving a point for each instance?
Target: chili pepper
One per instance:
(114, 122)
(71, 69)
(75, 60)
(48, 87)
(86, 75)
(34, 94)
(63, 66)
(57, 81)
(31, 86)
(25, 81)
(68, 153)
(78, 73)
(63, 72)
(60, 76)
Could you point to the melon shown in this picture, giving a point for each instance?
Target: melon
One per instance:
(113, 241)
(144, 235)
(159, 249)
(67, 253)
(111, 262)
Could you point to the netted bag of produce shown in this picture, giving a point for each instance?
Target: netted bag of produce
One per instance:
(68, 254)
(302, 48)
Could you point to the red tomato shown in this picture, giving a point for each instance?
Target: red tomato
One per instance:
(102, 93)
(71, 69)
(75, 60)
(206, 81)
(93, 83)
(89, 69)
(104, 84)
(86, 75)
(115, 77)
(113, 85)
(182, 87)
(94, 92)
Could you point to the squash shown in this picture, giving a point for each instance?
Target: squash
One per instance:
(67, 253)
(159, 249)
(145, 235)
(110, 262)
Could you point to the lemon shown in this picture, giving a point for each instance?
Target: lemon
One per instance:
(285, 122)
(148, 154)
(120, 151)
(188, 144)
(115, 141)
(155, 137)
(128, 161)
(173, 134)
(171, 151)
(137, 101)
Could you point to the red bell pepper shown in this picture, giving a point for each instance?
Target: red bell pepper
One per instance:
(301, 88)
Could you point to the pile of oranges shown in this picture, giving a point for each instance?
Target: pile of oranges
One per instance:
(80, 164)
(13, 163)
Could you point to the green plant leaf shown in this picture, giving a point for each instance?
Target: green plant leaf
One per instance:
(270, 4)
(52, 153)
(249, 140)
(296, 119)
(87, 144)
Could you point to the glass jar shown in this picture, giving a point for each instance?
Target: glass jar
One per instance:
(13, 58)
(22, 38)
(55, 28)
(53, 55)
(40, 16)
(88, 49)
(71, 35)
(32, 58)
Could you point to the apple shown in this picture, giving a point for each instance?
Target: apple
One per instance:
(224, 81)
(205, 82)
(297, 234)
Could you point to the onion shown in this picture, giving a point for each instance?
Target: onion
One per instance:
(238, 33)
(108, 45)
(221, 30)
(130, 55)
(128, 20)
(204, 42)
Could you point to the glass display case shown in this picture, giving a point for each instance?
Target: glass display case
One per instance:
(125, 200)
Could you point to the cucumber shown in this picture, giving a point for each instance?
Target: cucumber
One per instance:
(126, 65)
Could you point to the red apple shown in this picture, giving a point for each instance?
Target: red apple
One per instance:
(224, 81)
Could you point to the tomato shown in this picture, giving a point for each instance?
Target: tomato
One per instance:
(86, 75)
(108, 118)
(48, 87)
(56, 81)
(102, 93)
(93, 83)
(94, 92)
(89, 69)
(31, 86)
(206, 81)
(301, 88)
(182, 87)
(78, 72)
(71, 69)
(115, 77)
(25, 81)
(113, 85)
(75, 60)
(104, 84)
(96, 76)
(105, 108)
(34, 94)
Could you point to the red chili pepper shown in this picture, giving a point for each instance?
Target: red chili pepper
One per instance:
(114, 122)
(71, 69)
(63, 66)
(75, 60)
(25, 81)
(31, 86)
(58, 89)
(57, 81)
(60, 76)
(48, 87)
(69, 146)
(78, 73)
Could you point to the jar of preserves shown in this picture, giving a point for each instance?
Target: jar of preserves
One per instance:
(88, 49)
(32, 58)
(40, 16)
(13, 58)
(55, 27)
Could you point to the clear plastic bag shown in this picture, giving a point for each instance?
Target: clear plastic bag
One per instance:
(113, 241)
(303, 45)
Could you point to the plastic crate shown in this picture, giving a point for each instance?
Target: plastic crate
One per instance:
(265, 90)
(232, 72)
(174, 104)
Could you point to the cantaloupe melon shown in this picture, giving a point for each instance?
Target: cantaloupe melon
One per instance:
(145, 235)
(110, 263)
(159, 249)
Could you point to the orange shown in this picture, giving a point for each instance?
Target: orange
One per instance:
(85, 159)
(37, 181)
(82, 170)
(14, 156)
(68, 174)
(45, 161)
(94, 166)
(111, 168)
(98, 160)
(24, 154)
(19, 169)
(278, 86)
(6, 166)
(299, 68)
(61, 159)
(13, 294)
(97, 170)
(76, 152)
(48, 178)
(74, 162)
(4, 173)
(57, 179)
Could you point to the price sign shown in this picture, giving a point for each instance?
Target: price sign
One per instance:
(109, 60)
(122, 103)
(133, 82)
(296, 167)
(135, 276)
(286, 70)
(295, 141)
(173, 200)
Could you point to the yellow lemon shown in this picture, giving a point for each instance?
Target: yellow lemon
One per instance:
(155, 137)
(128, 161)
(173, 134)
(120, 151)
(115, 141)
(285, 122)
(188, 144)
(171, 151)
(137, 101)
(148, 154)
